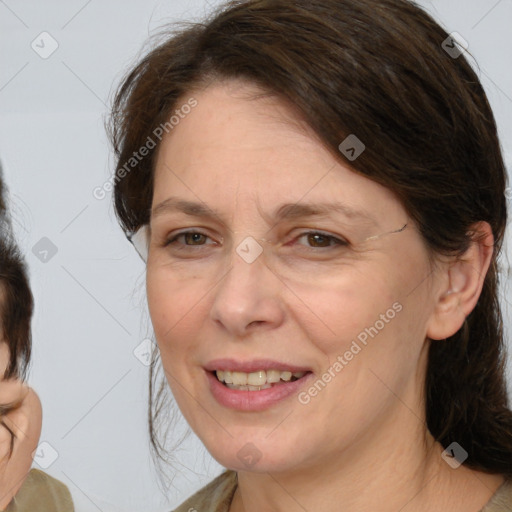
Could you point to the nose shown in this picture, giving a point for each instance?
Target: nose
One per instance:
(248, 298)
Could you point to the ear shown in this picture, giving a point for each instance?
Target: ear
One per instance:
(462, 284)
(4, 357)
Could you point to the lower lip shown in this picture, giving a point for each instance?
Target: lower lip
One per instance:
(253, 400)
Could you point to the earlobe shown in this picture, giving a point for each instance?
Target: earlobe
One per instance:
(463, 284)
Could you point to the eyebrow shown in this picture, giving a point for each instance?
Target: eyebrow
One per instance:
(287, 211)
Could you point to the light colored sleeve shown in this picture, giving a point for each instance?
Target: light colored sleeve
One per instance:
(214, 497)
(502, 499)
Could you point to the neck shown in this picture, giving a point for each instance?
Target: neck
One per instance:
(395, 466)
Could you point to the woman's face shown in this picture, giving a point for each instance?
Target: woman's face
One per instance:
(251, 292)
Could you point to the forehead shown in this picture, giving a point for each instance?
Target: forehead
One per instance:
(236, 121)
(238, 148)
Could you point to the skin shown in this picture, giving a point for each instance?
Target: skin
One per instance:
(25, 422)
(362, 441)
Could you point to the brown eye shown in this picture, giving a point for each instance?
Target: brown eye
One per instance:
(319, 240)
(194, 238)
(190, 238)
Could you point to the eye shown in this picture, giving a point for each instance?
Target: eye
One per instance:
(196, 238)
(317, 239)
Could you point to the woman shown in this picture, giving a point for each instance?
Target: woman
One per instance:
(320, 193)
(21, 489)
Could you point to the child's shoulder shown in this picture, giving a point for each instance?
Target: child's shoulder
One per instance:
(41, 492)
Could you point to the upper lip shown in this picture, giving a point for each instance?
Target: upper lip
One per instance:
(253, 365)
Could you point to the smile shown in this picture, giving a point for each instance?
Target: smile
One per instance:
(255, 390)
(258, 380)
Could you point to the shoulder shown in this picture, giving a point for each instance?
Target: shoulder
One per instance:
(214, 497)
(501, 501)
(41, 492)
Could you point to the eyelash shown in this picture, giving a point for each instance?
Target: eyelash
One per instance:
(337, 241)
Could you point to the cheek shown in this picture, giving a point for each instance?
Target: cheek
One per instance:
(174, 307)
(339, 312)
(175, 310)
(368, 322)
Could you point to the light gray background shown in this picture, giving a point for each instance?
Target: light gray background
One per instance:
(90, 310)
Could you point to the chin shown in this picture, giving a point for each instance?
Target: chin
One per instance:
(257, 455)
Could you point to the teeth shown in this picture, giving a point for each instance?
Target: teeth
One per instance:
(239, 378)
(255, 381)
(286, 376)
(248, 388)
(273, 376)
(257, 378)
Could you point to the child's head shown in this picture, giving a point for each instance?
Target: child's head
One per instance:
(16, 301)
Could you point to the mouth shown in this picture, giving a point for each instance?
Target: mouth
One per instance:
(257, 380)
(255, 385)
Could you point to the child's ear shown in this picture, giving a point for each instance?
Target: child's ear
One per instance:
(464, 279)
(4, 357)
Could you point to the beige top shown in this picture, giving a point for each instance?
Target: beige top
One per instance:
(217, 496)
(41, 492)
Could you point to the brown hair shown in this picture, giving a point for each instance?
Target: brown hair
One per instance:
(16, 306)
(376, 69)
